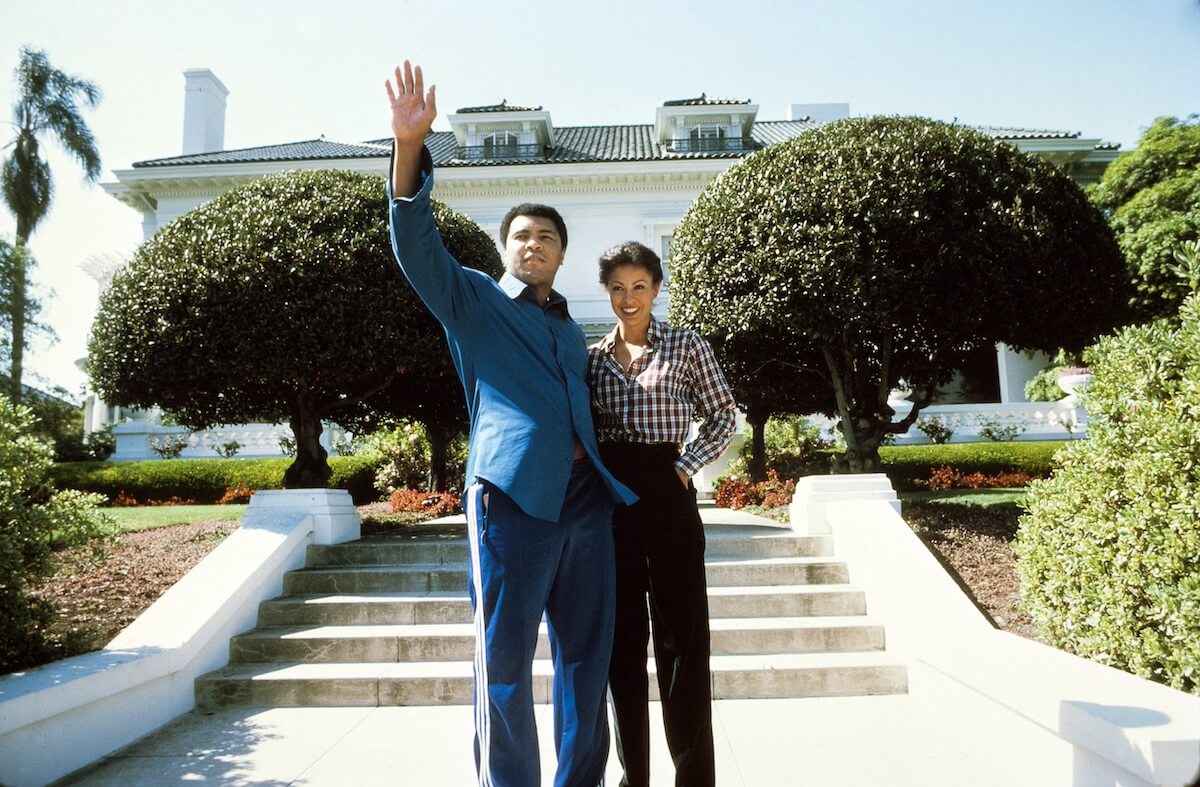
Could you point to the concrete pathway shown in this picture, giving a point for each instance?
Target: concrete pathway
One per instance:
(897, 740)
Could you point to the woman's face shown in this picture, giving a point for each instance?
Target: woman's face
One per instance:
(631, 291)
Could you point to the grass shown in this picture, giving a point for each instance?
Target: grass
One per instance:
(982, 498)
(149, 517)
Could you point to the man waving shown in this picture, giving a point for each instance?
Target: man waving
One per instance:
(539, 501)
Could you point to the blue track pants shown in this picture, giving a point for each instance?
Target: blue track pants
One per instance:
(522, 566)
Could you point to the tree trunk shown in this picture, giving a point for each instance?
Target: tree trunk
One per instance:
(858, 462)
(758, 445)
(863, 438)
(18, 307)
(439, 450)
(311, 469)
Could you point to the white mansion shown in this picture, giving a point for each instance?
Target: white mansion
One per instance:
(611, 183)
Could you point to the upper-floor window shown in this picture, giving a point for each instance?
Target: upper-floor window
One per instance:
(502, 144)
(709, 138)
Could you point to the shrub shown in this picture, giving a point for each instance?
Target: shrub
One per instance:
(906, 465)
(407, 457)
(228, 450)
(34, 520)
(772, 493)
(168, 446)
(997, 432)
(434, 504)
(941, 478)
(123, 500)
(1107, 553)
(936, 429)
(206, 480)
(794, 446)
(235, 494)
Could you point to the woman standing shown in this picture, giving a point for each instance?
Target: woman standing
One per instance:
(649, 381)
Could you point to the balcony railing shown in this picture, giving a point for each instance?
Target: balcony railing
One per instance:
(711, 145)
(489, 152)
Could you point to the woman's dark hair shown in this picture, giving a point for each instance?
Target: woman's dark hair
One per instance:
(534, 209)
(630, 253)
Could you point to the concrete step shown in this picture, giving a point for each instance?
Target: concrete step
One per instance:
(747, 542)
(724, 542)
(388, 552)
(431, 577)
(450, 683)
(348, 609)
(417, 577)
(456, 641)
(776, 571)
(768, 601)
(454, 607)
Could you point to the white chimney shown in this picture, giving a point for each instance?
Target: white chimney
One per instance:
(822, 113)
(203, 112)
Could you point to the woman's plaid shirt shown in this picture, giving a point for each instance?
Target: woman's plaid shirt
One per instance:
(675, 381)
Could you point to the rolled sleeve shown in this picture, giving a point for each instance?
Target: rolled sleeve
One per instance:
(714, 405)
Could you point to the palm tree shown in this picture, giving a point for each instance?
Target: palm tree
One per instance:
(47, 104)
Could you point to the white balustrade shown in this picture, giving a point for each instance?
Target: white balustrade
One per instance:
(135, 440)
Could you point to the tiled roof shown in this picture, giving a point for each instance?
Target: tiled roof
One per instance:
(292, 151)
(1005, 132)
(573, 144)
(503, 106)
(704, 101)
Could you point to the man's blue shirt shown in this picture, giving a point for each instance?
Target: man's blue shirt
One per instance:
(523, 366)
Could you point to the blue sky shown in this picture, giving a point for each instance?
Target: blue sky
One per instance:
(296, 70)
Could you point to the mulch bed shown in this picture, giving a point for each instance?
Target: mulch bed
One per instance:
(975, 544)
(95, 599)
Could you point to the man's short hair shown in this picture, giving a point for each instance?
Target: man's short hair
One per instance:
(534, 209)
(630, 253)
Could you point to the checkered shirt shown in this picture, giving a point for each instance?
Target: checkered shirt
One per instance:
(675, 380)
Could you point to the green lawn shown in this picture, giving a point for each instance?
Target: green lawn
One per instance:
(150, 517)
(968, 497)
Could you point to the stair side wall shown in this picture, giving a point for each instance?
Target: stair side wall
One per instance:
(145, 677)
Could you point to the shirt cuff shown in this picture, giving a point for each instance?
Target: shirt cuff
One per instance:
(689, 464)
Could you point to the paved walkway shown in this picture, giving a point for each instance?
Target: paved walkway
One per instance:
(899, 741)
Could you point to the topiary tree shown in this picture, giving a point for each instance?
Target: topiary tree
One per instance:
(278, 301)
(1152, 196)
(768, 379)
(34, 520)
(892, 248)
(1107, 553)
(430, 392)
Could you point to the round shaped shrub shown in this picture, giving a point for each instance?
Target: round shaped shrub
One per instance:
(881, 248)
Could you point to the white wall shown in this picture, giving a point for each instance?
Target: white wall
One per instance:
(1015, 369)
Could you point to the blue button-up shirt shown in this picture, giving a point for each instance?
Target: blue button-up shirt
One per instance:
(523, 366)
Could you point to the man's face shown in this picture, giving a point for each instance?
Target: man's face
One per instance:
(533, 250)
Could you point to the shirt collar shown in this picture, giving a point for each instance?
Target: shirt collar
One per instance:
(654, 335)
(518, 290)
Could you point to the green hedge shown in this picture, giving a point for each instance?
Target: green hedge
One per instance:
(205, 480)
(1109, 551)
(907, 464)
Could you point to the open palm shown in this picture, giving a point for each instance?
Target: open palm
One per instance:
(413, 110)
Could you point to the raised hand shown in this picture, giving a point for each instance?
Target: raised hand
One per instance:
(413, 110)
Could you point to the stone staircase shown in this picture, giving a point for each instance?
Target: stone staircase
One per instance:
(386, 621)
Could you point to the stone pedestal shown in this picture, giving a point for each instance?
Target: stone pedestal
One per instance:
(335, 518)
(814, 492)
